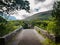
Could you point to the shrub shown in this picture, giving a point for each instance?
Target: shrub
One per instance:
(8, 27)
(48, 42)
(51, 27)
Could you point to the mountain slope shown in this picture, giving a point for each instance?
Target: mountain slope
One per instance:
(42, 16)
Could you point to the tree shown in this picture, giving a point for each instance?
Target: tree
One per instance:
(11, 5)
(56, 16)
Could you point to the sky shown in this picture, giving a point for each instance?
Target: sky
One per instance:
(35, 7)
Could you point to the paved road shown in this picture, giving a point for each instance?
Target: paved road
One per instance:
(27, 37)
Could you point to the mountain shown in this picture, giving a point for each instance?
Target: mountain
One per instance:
(41, 15)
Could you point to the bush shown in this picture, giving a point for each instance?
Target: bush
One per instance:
(48, 42)
(8, 27)
(51, 27)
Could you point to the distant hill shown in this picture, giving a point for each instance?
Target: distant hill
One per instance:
(42, 16)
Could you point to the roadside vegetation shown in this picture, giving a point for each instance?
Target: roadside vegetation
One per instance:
(9, 26)
(47, 25)
(48, 42)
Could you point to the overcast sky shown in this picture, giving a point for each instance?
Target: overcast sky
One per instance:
(35, 6)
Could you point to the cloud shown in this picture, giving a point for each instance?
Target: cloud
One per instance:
(37, 1)
(21, 14)
(32, 3)
(35, 7)
(46, 4)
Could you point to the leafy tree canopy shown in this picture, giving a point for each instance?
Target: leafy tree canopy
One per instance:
(2, 20)
(11, 5)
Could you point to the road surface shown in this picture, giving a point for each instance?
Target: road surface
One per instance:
(27, 37)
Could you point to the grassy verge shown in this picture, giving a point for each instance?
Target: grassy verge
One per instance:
(47, 41)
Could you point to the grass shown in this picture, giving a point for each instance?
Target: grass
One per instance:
(48, 42)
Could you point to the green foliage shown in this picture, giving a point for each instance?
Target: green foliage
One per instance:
(2, 19)
(15, 4)
(48, 42)
(56, 10)
(8, 27)
(56, 15)
(51, 26)
(25, 25)
(39, 23)
(23, 4)
(2, 25)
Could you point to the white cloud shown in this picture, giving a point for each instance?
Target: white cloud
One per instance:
(20, 14)
(32, 3)
(47, 4)
(42, 6)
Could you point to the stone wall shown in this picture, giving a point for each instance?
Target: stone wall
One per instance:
(45, 33)
(9, 36)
